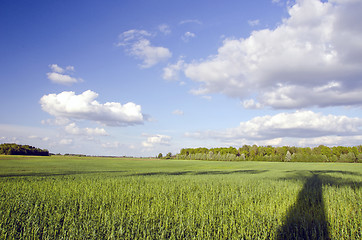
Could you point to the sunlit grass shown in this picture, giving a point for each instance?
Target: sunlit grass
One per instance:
(100, 198)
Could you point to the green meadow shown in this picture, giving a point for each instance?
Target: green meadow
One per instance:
(62, 197)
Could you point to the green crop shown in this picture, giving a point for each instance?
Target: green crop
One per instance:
(109, 198)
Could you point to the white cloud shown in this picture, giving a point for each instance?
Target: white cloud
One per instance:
(19, 131)
(190, 21)
(149, 54)
(164, 28)
(70, 68)
(156, 140)
(114, 144)
(96, 131)
(312, 58)
(57, 75)
(56, 68)
(206, 97)
(65, 141)
(58, 121)
(172, 71)
(34, 136)
(137, 45)
(72, 128)
(61, 79)
(251, 104)
(187, 36)
(254, 22)
(178, 112)
(298, 125)
(331, 141)
(84, 106)
(132, 35)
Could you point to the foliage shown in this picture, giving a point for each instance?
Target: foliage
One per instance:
(15, 149)
(62, 197)
(274, 154)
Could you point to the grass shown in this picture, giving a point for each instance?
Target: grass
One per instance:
(108, 198)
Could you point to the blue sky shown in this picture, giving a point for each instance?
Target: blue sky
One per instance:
(142, 77)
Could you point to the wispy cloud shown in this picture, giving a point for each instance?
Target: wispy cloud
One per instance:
(165, 29)
(196, 21)
(178, 112)
(254, 22)
(187, 36)
(137, 45)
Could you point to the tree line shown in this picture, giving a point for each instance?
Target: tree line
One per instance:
(275, 154)
(15, 149)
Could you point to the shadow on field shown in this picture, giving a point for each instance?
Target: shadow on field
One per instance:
(307, 219)
(199, 173)
(69, 173)
(46, 174)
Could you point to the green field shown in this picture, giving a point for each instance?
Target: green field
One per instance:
(61, 197)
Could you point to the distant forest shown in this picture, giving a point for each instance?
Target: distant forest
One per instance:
(15, 149)
(275, 154)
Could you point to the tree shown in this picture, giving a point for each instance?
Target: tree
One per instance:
(288, 157)
(253, 151)
(168, 155)
(160, 155)
(15, 149)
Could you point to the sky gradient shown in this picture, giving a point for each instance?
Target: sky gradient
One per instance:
(141, 77)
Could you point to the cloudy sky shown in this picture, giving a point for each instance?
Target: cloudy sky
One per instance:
(139, 77)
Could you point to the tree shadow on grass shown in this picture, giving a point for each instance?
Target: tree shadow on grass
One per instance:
(52, 174)
(69, 173)
(199, 173)
(307, 219)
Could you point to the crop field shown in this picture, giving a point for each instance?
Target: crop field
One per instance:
(62, 197)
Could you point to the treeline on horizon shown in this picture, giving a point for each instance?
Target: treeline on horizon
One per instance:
(16, 149)
(274, 154)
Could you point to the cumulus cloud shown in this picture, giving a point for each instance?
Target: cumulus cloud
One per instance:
(251, 104)
(62, 76)
(312, 58)
(56, 68)
(172, 71)
(149, 54)
(137, 45)
(156, 140)
(298, 125)
(72, 128)
(68, 105)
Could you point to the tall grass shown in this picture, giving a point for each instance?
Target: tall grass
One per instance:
(178, 200)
